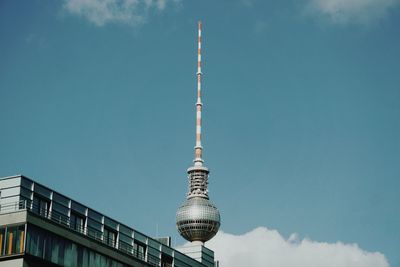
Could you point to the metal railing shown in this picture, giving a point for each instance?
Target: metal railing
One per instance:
(63, 220)
(13, 206)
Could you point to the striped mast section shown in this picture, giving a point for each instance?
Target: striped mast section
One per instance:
(198, 160)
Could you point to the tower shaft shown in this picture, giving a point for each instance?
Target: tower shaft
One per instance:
(198, 174)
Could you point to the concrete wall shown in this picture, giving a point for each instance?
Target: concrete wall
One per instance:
(12, 263)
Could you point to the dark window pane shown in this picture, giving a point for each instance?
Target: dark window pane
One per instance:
(77, 222)
(94, 224)
(78, 208)
(44, 192)
(60, 208)
(110, 237)
(110, 223)
(40, 206)
(26, 183)
(60, 199)
(95, 215)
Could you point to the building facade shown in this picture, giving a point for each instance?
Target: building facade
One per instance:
(41, 227)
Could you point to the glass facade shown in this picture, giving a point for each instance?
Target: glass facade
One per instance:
(12, 239)
(58, 250)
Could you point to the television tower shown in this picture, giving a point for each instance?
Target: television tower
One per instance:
(198, 219)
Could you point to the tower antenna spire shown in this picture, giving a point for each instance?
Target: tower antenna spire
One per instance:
(198, 160)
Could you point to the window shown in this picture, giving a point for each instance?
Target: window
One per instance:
(12, 240)
(110, 237)
(139, 250)
(77, 222)
(41, 206)
(166, 260)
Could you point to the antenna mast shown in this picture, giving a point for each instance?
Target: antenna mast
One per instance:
(198, 160)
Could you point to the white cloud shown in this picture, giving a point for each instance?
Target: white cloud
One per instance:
(352, 11)
(101, 12)
(264, 247)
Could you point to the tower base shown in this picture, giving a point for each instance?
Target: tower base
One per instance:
(196, 250)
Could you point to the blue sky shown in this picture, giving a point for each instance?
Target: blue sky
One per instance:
(301, 111)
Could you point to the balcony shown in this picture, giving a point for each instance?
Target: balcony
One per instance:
(136, 251)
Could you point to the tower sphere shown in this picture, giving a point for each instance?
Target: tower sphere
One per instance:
(198, 219)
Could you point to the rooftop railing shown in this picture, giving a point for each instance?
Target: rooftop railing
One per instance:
(65, 221)
(12, 206)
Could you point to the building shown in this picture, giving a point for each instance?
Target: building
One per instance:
(42, 227)
(198, 219)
